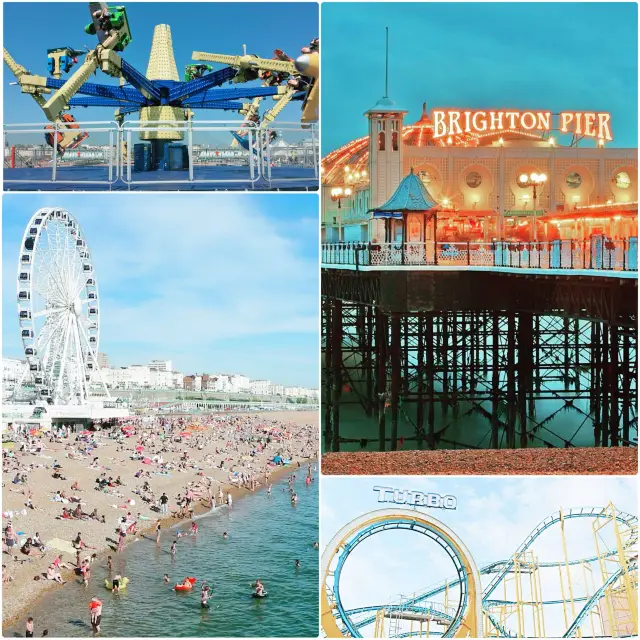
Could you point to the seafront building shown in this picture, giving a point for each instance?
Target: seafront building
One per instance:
(475, 180)
(160, 375)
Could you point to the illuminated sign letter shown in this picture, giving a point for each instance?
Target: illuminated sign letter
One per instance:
(496, 120)
(528, 120)
(454, 116)
(474, 121)
(512, 115)
(565, 120)
(439, 126)
(544, 120)
(589, 129)
(604, 131)
(467, 121)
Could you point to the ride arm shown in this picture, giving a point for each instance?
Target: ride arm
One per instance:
(234, 93)
(284, 100)
(198, 85)
(247, 62)
(54, 106)
(124, 94)
(226, 105)
(33, 85)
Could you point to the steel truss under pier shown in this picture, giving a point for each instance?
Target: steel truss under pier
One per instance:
(572, 342)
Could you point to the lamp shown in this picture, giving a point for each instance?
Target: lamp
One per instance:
(534, 180)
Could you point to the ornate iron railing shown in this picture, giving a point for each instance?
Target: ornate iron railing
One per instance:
(596, 253)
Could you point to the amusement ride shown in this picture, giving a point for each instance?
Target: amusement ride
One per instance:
(162, 101)
(515, 597)
(58, 311)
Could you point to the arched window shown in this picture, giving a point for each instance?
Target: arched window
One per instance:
(381, 141)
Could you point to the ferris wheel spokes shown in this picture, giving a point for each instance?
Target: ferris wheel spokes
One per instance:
(58, 308)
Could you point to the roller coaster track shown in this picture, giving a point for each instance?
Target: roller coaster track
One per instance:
(501, 568)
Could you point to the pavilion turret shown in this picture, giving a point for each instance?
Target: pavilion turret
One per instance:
(407, 213)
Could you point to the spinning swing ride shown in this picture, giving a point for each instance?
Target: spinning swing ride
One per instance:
(160, 98)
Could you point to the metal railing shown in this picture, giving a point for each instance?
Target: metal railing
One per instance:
(307, 155)
(187, 130)
(598, 253)
(40, 164)
(45, 157)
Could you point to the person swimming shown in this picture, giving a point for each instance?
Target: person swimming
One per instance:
(166, 578)
(298, 565)
(205, 594)
(225, 536)
(173, 548)
(259, 588)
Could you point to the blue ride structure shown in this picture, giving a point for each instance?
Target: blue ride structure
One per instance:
(520, 596)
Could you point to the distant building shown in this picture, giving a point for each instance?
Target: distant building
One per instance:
(161, 365)
(239, 383)
(189, 383)
(12, 369)
(103, 360)
(260, 387)
(141, 377)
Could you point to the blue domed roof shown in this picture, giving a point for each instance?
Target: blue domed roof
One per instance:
(411, 195)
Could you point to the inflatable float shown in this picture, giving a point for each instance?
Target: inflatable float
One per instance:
(257, 595)
(109, 585)
(184, 587)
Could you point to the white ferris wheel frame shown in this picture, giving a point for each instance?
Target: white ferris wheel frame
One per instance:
(37, 344)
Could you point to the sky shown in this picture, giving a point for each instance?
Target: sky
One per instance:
(555, 56)
(493, 516)
(212, 27)
(217, 284)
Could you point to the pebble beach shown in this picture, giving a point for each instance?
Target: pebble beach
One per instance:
(575, 461)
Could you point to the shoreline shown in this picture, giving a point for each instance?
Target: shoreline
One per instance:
(168, 523)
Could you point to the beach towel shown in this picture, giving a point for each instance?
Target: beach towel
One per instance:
(61, 545)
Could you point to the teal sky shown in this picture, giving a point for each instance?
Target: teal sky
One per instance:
(556, 56)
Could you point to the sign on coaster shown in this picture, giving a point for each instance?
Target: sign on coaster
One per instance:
(416, 498)
(593, 124)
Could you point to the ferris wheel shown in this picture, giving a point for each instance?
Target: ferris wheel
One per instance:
(58, 309)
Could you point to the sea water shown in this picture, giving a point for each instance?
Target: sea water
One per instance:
(266, 535)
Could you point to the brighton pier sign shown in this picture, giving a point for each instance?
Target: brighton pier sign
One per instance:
(416, 498)
(447, 122)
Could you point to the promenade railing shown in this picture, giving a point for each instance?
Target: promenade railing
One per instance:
(593, 254)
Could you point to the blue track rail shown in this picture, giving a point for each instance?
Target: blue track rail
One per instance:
(500, 569)
(412, 525)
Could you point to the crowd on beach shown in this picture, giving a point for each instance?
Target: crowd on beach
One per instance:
(151, 470)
